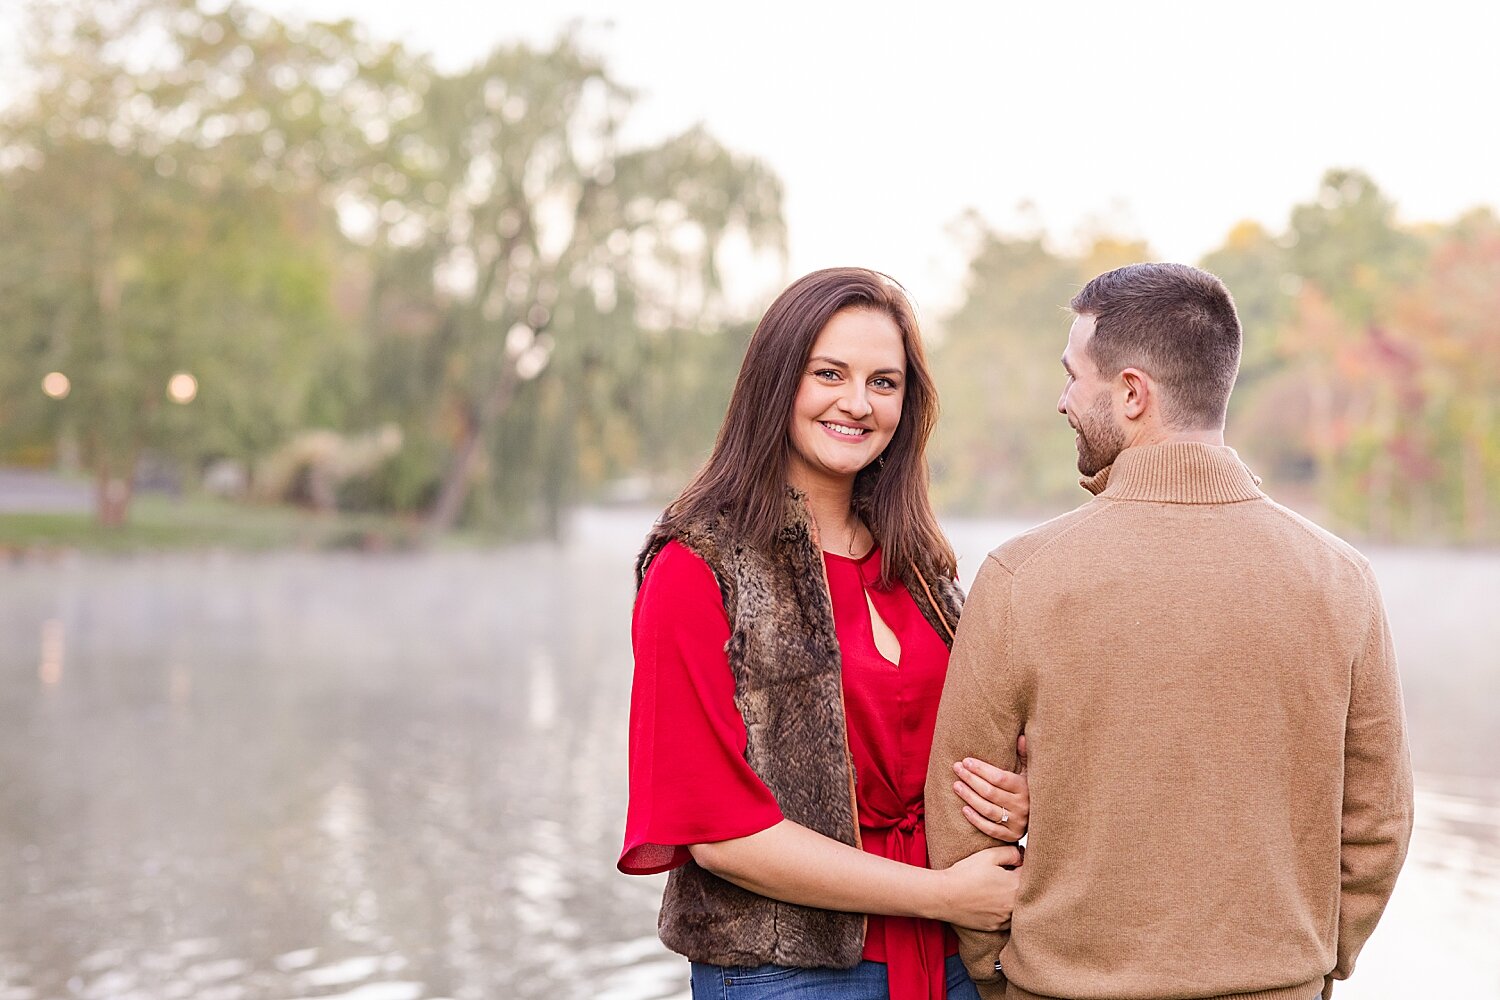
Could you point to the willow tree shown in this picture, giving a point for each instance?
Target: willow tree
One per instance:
(507, 214)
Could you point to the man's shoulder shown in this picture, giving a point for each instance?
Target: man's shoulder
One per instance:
(1306, 531)
(1016, 551)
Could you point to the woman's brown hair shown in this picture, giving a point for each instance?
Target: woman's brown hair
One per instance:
(744, 479)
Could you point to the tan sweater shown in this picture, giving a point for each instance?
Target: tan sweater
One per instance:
(1221, 789)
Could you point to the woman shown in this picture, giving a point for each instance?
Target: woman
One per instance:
(791, 633)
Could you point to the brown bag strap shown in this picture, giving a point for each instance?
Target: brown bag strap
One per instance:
(937, 608)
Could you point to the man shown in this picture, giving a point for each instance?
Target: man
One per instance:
(1220, 785)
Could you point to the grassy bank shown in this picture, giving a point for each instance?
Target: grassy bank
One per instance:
(165, 523)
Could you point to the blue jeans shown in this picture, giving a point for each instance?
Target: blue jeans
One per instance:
(866, 981)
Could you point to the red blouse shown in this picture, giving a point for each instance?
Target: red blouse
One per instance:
(690, 783)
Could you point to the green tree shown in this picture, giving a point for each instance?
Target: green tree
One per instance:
(1000, 441)
(158, 225)
(515, 238)
(1346, 242)
(1347, 251)
(1001, 445)
(1450, 310)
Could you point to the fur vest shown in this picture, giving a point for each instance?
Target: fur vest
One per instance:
(788, 685)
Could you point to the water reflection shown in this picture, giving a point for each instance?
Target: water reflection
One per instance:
(49, 671)
(402, 777)
(543, 690)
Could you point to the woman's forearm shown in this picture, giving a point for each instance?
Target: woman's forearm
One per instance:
(793, 864)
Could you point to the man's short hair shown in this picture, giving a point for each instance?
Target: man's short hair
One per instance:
(1176, 323)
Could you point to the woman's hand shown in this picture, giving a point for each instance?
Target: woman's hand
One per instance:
(979, 893)
(996, 803)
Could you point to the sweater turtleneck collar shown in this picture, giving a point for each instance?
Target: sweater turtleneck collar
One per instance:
(1183, 472)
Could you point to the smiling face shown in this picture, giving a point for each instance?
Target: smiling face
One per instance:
(848, 402)
(1087, 401)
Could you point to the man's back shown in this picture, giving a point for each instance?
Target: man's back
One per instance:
(1214, 731)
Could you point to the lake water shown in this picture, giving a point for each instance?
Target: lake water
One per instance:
(396, 777)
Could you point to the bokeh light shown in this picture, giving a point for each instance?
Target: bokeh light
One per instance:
(182, 388)
(57, 385)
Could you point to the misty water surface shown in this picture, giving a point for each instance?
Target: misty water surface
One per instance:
(403, 776)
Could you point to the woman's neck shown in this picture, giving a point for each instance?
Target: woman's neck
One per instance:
(831, 504)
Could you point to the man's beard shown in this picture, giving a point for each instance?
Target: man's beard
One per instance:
(1100, 441)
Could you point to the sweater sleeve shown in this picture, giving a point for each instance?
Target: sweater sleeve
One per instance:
(689, 780)
(980, 716)
(1377, 810)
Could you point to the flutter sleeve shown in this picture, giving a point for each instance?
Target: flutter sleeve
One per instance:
(689, 781)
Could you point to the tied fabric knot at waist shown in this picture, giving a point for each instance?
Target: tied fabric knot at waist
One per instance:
(914, 948)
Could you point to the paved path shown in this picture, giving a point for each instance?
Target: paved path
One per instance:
(29, 491)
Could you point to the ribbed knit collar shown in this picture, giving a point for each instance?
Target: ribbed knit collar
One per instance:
(1185, 472)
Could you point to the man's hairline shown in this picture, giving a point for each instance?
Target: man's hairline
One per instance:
(1088, 350)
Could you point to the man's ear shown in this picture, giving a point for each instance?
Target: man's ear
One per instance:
(1138, 392)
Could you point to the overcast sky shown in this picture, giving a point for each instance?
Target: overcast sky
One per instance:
(1164, 121)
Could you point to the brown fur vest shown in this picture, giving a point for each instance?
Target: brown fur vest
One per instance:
(784, 655)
